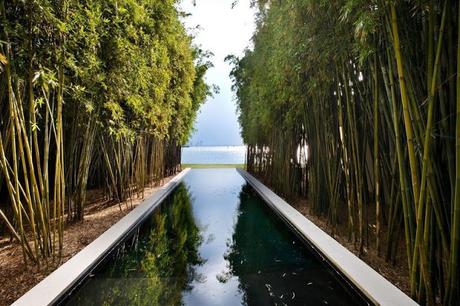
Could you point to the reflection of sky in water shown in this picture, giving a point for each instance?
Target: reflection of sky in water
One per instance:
(250, 256)
(216, 217)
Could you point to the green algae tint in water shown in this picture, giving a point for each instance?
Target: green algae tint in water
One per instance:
(213, 242)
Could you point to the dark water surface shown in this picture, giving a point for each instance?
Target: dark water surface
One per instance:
(213, 242)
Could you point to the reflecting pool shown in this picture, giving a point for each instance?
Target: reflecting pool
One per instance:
(213, 242)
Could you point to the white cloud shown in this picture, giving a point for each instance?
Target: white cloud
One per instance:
(223, 31)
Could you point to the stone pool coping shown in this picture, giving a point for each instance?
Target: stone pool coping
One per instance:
(373, 285)
(51, 289)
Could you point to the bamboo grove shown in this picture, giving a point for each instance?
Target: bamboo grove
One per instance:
(93, 94)
(355, 104)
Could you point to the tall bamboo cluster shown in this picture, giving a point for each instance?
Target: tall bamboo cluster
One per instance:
(93, 94)
(356, 104)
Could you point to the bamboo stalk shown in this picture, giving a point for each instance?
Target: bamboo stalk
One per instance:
(405, 105)
(452, 294)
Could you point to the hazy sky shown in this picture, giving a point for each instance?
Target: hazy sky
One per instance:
(223, 31)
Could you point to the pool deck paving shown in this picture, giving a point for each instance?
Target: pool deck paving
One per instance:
(373, 285)
(57, 284)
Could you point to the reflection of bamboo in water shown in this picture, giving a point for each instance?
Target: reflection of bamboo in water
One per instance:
(157, 264)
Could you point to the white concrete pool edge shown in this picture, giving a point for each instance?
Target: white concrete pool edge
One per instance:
(373, 285)
(55, 285)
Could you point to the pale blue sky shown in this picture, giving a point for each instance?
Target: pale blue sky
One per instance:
(223, 31)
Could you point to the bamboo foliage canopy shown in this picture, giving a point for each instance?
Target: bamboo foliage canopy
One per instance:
(93, 94)
(355, 104)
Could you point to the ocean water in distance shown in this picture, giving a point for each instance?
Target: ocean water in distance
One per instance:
(214, 155)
